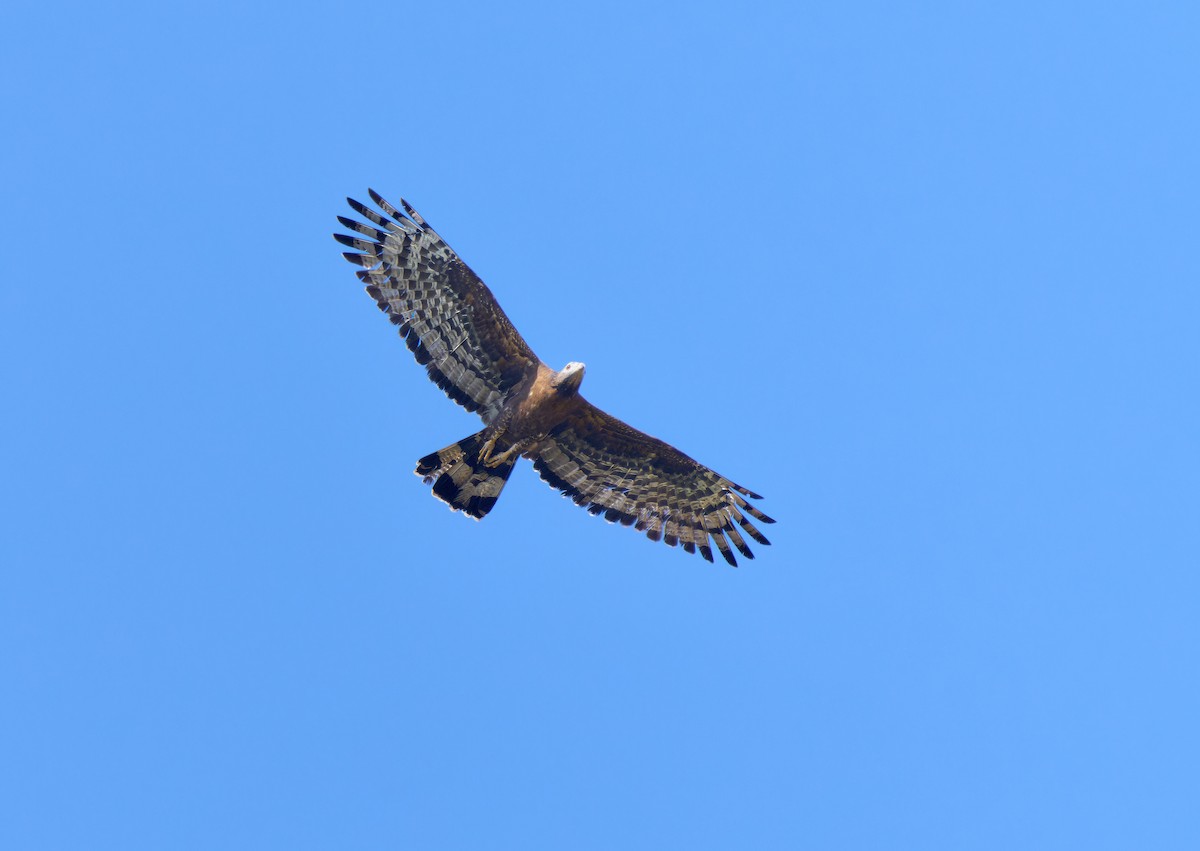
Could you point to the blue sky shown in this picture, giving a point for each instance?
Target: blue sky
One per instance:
(924, 277)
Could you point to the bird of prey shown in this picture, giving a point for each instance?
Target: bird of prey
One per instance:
(453, 325)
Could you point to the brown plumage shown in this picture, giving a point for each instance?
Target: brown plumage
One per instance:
(453, 325)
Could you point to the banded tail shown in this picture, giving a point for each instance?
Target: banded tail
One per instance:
(459, 478)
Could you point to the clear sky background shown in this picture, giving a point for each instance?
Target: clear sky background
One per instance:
(925, 277)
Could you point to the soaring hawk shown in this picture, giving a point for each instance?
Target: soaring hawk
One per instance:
(454, 326)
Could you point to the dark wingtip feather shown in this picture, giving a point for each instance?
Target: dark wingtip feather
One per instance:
(746, 491)
(367, 213)
(731, 532)
(718, 538)
(413, 214)
(386, 207)
(755, 513)
(359, 227)
(706, 552)
(757, 535)
(352, 241)
(742, 548)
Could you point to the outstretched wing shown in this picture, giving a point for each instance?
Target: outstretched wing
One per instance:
(447, 316)
(638, 480)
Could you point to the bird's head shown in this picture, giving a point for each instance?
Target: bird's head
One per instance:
(567, 380)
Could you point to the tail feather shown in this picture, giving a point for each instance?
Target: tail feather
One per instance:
(461, 481)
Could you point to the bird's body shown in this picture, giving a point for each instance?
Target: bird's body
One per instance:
(547, 399)
(454, 326)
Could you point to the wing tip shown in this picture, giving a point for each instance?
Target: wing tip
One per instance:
(745, 491)
(365, 260)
